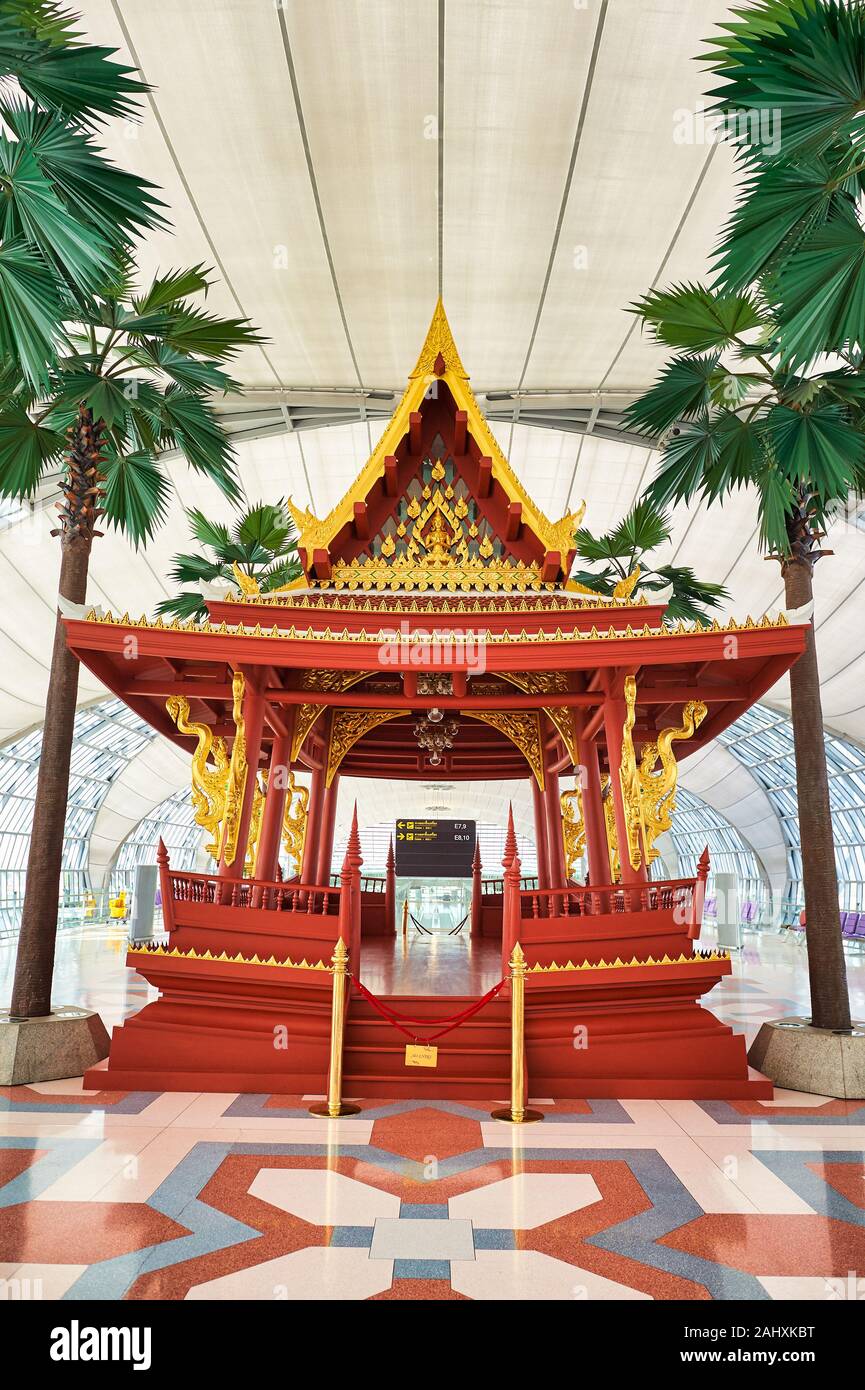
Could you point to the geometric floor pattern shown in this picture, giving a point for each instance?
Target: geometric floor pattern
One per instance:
(173, 1196)
(139, 1195)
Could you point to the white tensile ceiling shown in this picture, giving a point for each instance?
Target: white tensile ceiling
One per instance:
(341, 162)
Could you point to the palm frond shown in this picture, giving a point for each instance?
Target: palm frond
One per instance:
(683, 390)
(136, 495)
(696, 318)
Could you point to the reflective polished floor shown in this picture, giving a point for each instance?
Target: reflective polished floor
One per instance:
(145, 1195)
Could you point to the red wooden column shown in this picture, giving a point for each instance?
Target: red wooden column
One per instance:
(390, 892)
(541, 835)
(313, 826)
(328, 820)
(555, 844)
(597, 846)
(253, 716)
(614, 725)
(274, 809)
(477, 892)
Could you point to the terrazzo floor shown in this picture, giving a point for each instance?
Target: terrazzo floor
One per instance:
(196, 1196)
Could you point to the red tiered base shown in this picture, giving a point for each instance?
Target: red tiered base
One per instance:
(605, 1029)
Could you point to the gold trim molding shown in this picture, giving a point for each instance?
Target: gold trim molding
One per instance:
(307, 714)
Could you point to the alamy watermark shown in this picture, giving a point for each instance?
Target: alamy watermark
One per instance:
(749, 126)
(415, 647)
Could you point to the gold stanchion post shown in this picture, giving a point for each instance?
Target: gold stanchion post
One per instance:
(405, 917)
(335, 1106)
(517, 1112)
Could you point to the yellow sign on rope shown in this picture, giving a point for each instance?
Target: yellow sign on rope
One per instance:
(421, 1056)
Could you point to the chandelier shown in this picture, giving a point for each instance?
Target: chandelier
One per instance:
(435, 734)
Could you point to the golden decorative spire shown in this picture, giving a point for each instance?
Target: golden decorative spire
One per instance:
(438, 360)
(439, 342)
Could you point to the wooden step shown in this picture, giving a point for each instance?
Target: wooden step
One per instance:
(426, 1082)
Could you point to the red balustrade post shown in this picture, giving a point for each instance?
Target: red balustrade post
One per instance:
(510, 848)
(511, 910)
(390, 892)
(166, 888)
(699, 897)
(355, 859)
(346, 880)
(477, 892)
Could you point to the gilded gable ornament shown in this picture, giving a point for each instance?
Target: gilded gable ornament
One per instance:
(523, 728)
(347, 728)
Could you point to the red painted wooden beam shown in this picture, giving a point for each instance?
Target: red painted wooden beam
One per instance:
(485, 477)
(552, 563)
(321, 564)
(391, 476)
(361, 521)
(514, 523)
(461, 420)
(414, 431)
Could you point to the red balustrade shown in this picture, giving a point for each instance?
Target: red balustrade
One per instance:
(255, 893)
(578, 901)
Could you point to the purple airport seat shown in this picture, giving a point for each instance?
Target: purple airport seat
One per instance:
(849, 923)
(859, 929)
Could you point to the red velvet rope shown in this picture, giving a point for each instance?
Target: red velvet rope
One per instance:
(453, 1022)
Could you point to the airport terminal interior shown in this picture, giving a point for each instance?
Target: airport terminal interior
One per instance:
(432, 760)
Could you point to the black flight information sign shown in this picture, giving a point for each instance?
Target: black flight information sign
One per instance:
(435, 848)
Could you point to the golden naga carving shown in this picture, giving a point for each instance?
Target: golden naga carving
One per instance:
(347, 728)
(523, 728)
(626, 587)
(208, 783)
(562, 718)
(630, 778)
(658, 786)
(612, 833)
(237, 774)
(307, 714)
(573, 829)
(649, 796)
(245, 582)
(258, 798)
(294, 819)
(622, 591)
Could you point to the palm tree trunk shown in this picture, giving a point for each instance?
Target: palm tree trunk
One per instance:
(827, 970)
(34, 966)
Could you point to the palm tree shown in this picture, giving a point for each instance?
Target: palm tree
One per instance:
(624, 555)
(93, 379)
(65, 211)
(259, 554)
(129, 386)
(767, 384)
